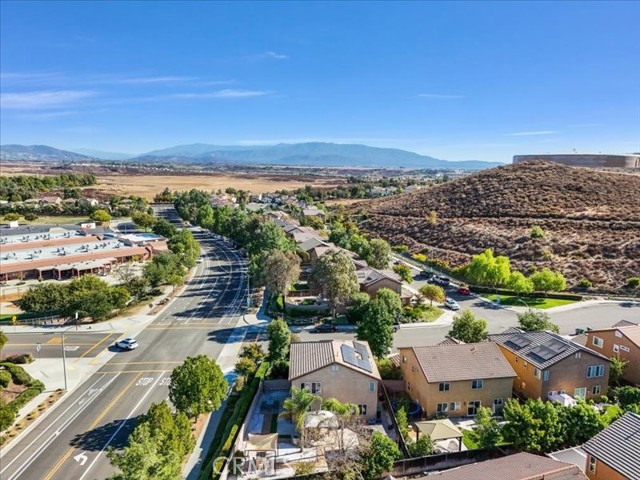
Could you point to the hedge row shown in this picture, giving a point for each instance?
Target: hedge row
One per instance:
(230, 421)
(20, 377)
(32, 391)
(5, 378)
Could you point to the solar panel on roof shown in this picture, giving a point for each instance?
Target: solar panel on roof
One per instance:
(361, 349)
(518, 341)
(556, 346)
(350, 356)
(543, 353)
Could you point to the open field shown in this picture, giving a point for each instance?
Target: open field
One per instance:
(56, 220)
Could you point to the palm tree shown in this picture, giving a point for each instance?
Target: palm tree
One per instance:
(297, 406)
(343, 412)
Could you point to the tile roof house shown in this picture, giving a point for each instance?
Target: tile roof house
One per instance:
(521, 466)
(614, 453)
(342, 369)
(548, 365)
(623, 342)
(456, 380)
(372, 280)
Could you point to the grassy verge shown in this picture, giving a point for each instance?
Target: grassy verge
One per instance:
(57, 220)
(468, 441)
(541, 303)
(421, 313)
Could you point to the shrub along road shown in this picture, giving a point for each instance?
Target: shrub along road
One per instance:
(71, 442)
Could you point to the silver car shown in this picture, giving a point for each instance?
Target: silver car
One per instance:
(127, 344)
(451, 304)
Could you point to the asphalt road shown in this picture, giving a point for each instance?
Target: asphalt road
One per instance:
(71, 442)
(49, 344)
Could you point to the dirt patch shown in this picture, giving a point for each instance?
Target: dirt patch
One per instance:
(11, 391)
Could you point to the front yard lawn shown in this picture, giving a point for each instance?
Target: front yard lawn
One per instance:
(421, 313)
(542, 303)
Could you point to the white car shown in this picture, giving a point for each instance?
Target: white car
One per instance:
(127, 344)
(451, 304)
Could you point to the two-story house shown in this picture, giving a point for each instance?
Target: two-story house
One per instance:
(341, 369)
(456, 380)
(623, 342)
(547, 364)
(614, 453)
(371, 280)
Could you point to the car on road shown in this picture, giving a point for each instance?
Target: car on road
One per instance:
(442, 281)
(199, 260)
(451, 304)
(427, 275)
(464, 291)
(324, 328)
(127, 344)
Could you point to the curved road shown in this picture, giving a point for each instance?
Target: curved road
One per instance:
(71, 442)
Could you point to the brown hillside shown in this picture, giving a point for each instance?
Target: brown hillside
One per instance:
(591, 220)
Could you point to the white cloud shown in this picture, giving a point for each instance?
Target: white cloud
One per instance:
(153, 80)
(276, 56)
(532, 133)
(43, 99)
(437, 96)
(226, 93)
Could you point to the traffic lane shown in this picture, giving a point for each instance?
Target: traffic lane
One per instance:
(85, 454)
(595, 316)
(24, 460)
(49, 345)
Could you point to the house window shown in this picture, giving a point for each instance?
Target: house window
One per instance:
(592, 464)
(442, 407)
(335, 368)
(372, 386)
(598, 342)
(616, 348)
(595, 390)
(314, 387)
(444, 387)
(545, 375)
(623, 348)
(618, 334)
(404, 359)
(580, 393)
(536, 372)
(595, 371)
(454, 406)
(362, 409)
(477, 384)
(578, 354)
(497, 402)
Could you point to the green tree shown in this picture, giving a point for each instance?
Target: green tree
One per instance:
(403, 423)
(533, 426)
(245, 367)
(422, 447)
(143, 220)
(101, 215)
(296, 408)
(579, 423)
(336, 278)
(358, 307)
(44, 298)
(487, 269)
(279, 271)
(279, 338)
(345, 413)
(171, 430)
(252, 351)
(185, 246)
(469, 329)
(519, 283)
(3, 340)
(627, 397)
(486, 433)
(404, 271)
(119, 297)
(536, 320)
(164, 228)
(546, 280)
(616, 371)
(30, 217)
(359, 244)
(433, 293)
(12, 217)
(197, 386)
(392, 302)
(377, 328)
(383, 452)
(379, 253)
(137, 287)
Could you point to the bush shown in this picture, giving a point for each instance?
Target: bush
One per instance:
(633, 282)
(388, 371)
(537, 232)
(5, 378)
(304, 468)
(585, 283)
(400, 248)
(20, 377)
(20, 358)
(35, 389)
(30, 217)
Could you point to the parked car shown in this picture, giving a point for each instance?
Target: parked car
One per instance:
(451, 304)
(442, 281)
(427, 274)
(324, 328)
(127, 344)
(199, 260)
(464, 291)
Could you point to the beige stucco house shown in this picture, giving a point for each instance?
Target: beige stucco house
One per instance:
(456, 380)
(341, 369)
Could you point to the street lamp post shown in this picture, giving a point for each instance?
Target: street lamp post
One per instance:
(64, 357)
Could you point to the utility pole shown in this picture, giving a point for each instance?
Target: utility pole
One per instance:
(64, 362)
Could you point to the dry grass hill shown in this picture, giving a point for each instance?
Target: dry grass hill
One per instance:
(591, 220)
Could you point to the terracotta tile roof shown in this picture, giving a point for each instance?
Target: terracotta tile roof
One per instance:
(624, 323)
(542, 348)
(370, 276)
(451, 363)
(618, 446)
(307, 357)
(632, 332)
(521, 466)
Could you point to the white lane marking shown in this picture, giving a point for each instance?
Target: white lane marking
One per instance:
(81, 458)
(120, 427)
(52, 437)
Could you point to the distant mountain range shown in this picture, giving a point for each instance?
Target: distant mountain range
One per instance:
(305, 154)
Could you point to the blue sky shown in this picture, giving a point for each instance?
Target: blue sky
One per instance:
(458, 81)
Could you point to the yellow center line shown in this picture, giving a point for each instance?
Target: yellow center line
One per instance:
(131, 371)
(94, 346)
(66, 456)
